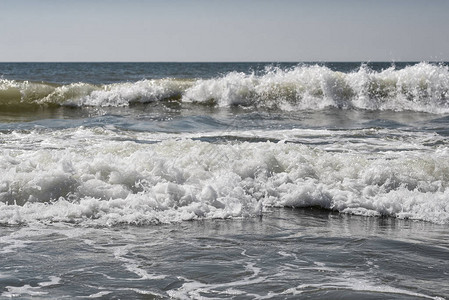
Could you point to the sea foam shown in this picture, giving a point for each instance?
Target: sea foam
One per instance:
(88, 176)
(421, 87)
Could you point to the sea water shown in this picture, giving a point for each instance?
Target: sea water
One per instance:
(224, 180)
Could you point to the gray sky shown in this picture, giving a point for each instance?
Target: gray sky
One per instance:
(224, 30)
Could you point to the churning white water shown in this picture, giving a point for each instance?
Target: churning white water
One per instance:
(105, 177)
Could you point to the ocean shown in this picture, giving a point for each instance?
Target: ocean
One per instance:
(224, 180)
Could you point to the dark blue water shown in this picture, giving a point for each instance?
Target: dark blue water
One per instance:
(104, 73)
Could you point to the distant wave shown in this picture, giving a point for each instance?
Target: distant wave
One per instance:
(421, 87)
(84, 94)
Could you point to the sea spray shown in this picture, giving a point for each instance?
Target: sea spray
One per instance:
(422, 87)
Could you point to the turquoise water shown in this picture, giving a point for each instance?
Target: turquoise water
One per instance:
(224, 180)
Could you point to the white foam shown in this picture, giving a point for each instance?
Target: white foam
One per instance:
(54, 280)
(355, 284)
(421, 87)
(193, 289)
(132, 265)
(17, 291)
(99, 294)
(122, 94)
(93, 177)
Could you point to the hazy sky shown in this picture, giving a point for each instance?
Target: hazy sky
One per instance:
(224, 30)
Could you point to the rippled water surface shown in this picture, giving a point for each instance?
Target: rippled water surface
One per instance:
(285, 254)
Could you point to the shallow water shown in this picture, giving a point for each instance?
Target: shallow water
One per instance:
(286, 254)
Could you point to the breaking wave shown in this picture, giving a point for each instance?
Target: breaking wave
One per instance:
(421, 87)
(85, 94)
(96, 176)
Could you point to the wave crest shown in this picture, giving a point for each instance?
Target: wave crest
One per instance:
(421, 87)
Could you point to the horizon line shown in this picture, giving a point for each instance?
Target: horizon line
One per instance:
(241, 61)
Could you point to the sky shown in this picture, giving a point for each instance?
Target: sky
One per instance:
(224, 30)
